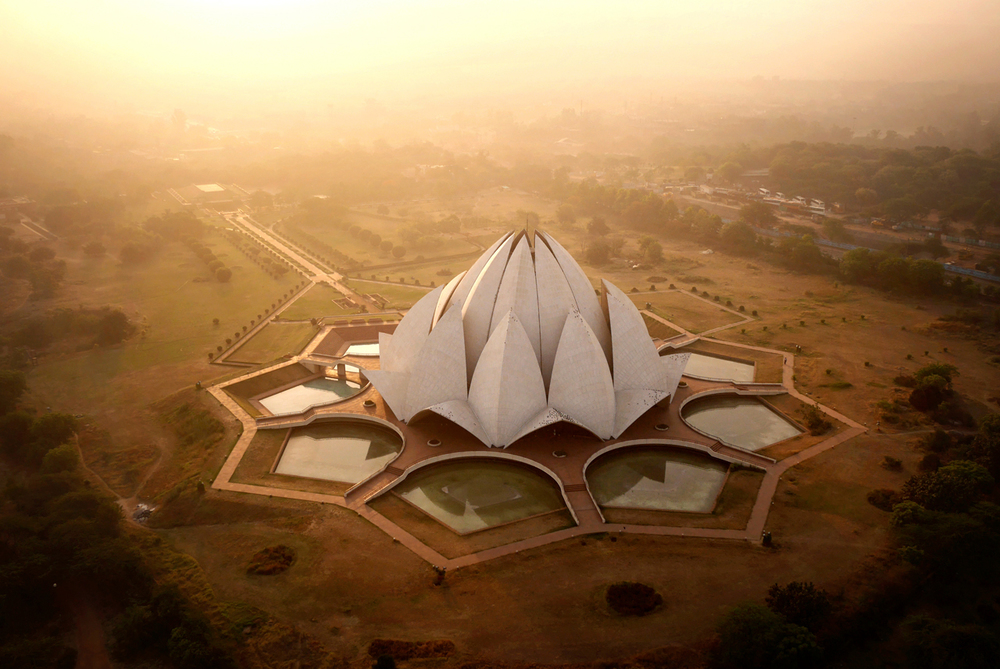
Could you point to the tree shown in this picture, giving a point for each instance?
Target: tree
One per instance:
(866, 196)
(223, 274)
(385, 246)
(12, 386)
(943, 644)
(398, 252)
(133, 254)
(597, 253)
(94, 249)
(694, 173)
(730, 171)
(952, 488)
(942, 369)
(41, 254)
(738, 236)
(113, 328)
(261, 198)
(382, 210)
(758, 214)
(566, 213)
(53, 429)
(60, 459)
(752, 636)
(801, 603)
(598, 227)
(652, 251)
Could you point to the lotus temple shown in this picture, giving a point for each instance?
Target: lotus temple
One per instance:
(523, 404)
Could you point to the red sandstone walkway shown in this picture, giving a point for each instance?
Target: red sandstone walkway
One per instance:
(535, 448)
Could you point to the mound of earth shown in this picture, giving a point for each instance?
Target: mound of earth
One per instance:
(632, 599)
(271, 560)
(410, 650)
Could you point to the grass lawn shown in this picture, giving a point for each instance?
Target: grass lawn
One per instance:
(172, 302)
(659, 330)
(689, 312)
(399, 296)
(337, 236)
(316, 303)
(425, 273)
(274, 341)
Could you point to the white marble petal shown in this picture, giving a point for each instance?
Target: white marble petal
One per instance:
(438, 373)
(581, 385)
(555, 301)
(507, 388)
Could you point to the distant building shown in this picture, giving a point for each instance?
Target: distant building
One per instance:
(213, 196)
(16, 204)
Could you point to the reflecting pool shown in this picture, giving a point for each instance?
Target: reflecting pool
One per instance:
(474, 494)
(719, 369)
(344, 451)
(664, 479)
(740, 421)
(309, 394)
(362, 350)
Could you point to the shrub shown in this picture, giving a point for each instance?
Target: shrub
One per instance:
(930, 462)
(892, 464)
(884, 499)
(815, 420)
(632, 599)
(801, 603)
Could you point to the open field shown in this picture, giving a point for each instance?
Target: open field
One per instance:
(398, 296)
(691, 313)
(277, 339)
(338, 236)
(317, 302)
(172, 302)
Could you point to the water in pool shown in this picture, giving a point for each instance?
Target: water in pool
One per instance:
(720, 369)
(309, 394)
(363, 350)
(657, 478)
(338, 451)
(741, 421)
(470, 495)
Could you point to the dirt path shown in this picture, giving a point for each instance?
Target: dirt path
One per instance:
(91, 645)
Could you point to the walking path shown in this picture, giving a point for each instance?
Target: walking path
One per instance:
(568, 470)
(318, 275)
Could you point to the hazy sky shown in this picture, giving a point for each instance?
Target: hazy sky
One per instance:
(286, 53)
